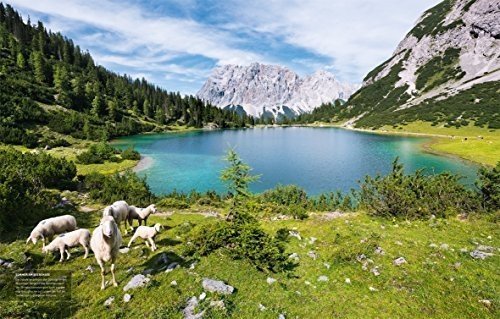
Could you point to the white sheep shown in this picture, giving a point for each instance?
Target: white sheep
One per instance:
(105, 243)
(47, 228)
(68, 240)
(141, 214)
(119, 210)
(148, 234)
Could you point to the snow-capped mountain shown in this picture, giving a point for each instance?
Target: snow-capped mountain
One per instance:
(272, 90)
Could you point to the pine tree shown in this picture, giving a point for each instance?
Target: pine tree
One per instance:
(160, 116)
(98, 106)
(38, 66)
(21, 62)
(237, 175)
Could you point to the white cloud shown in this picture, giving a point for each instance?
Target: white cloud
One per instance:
(356, 35)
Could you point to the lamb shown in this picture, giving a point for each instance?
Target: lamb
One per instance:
(105, 243)
(141, 214)
(49, 227)
(65, 241)
(119, 210)
(148, 234)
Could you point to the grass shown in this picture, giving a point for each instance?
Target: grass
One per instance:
(437, 282)
(479, 145)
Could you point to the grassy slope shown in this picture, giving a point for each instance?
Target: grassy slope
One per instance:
(431, 284)
(450, 140)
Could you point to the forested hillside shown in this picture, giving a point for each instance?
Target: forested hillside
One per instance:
(47, 80)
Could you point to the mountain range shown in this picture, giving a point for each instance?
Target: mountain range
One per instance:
(271, 90)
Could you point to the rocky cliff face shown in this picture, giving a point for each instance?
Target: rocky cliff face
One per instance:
(471, 27)
(453, 51)
(271, 90)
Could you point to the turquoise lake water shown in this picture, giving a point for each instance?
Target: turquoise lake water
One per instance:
(317, 159)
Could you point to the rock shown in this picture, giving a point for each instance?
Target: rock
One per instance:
(432, 245)
(397, 242)
(444, 246)
(136, 282)
(192, 266)
(477, 254)
(173, 283)
(484, 248)
(361, 257)
(172, 266)
(294, 256)
(202, 296)
(148, 271)
(262, 307)
(464, 250)
(217, 286)
(189, 310)
(312, 240)
(375, 271)
(327, 265)
(379, 251)
(307, 282)
(372, 288)
(485, 302)
(109, 301)
(322, 278)
(124, 250)
(217, 304)
(348, 281)
(281, 316)
(270, 280)
(312, 254)
(127, 297)
(294, 233)
(457, 265)
(90, 268)
(399, 261)
(332, 215)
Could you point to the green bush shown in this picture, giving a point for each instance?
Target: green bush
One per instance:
(489, 186)
(286, 195)
(416, 195)
(171, 202)
(18, 136)
(24, 183)
(242, 238)
(97, 154)
(130, 154)
(127, 186)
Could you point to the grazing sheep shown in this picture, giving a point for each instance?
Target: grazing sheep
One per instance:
(147, 233)
(105, 243)
(49, 227)
(141, 214)
(65, 241)
(119, 210)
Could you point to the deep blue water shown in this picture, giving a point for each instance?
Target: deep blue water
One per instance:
(317, 159)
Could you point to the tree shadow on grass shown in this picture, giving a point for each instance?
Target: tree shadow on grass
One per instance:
(162, 261)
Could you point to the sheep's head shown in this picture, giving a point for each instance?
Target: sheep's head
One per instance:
(108, 211)
(33, 237)
(158, 227)
(153, 209)
(108, 226)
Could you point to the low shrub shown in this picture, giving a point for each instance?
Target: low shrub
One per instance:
(489, 187)
(242, 238)
(416, 195)
(286, 195)
(130, 154)
(126, 186)
(97, 154)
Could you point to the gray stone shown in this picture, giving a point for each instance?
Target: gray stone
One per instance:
(372, 288)
(312, 254)
(109, 301)
(124, 250)
(270, 280)
(322, 278)
(281, 316)
(477, 254)
(294, 233)
(90, 268)
(327, 265)
(173, 283)
(379, 251)
(375, 271)
(348, 281)
(217, 286)
(202, 296)
(399, 261)
(218, 304)
(189, 311)
(262, 307)
(127, 297)
(136, 282)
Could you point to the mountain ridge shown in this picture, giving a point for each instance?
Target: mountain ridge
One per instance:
(271, 90)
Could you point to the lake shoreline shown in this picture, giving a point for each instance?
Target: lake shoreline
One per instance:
(144, 163)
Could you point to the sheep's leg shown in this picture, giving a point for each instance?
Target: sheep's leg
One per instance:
(113, 273)
(86, 251)
(145, 221)
(131, 240)
(153, 246)
(68, 254)
(102, 274)
(61, 251)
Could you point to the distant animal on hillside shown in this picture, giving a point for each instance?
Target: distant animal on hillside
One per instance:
(119, 211)
(148, 234)
(47, 228)
(105, 243)
(68, 240)
(141, 214)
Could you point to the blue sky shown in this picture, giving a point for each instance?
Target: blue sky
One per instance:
(176, 43)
